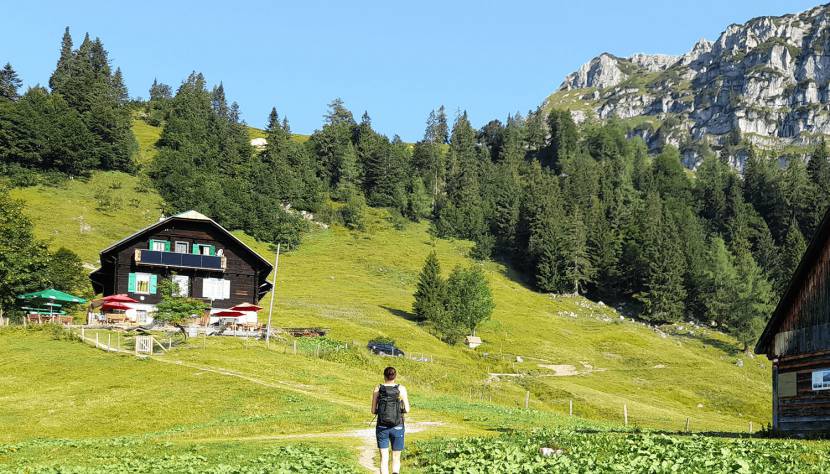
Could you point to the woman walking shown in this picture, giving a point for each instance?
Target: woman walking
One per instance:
(389, 403)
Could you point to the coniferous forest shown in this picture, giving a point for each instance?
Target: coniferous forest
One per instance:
(575, 208)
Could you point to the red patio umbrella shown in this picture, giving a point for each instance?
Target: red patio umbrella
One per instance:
(228, 313)
(115, 306)
(119, 298)
(246, 307)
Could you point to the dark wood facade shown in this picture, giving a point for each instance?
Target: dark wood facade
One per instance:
(797, 341)
(244, 271)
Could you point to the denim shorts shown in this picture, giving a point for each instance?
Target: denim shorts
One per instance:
(393, 434)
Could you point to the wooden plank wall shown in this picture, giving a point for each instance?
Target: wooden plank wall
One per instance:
(806, 328)
(808, 410)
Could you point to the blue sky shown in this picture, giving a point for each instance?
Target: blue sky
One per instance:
(398, 60)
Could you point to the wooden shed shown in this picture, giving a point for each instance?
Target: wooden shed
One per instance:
(797, 341)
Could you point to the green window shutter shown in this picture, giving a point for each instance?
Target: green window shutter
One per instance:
(166, 245)
(131, 283)
(151, 244)
(196, 249)
(154, 279)
(212, 249)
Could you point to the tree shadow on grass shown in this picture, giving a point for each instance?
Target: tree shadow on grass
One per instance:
(401, 313)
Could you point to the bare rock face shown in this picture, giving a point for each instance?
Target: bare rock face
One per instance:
(766, 81)
(601, 72)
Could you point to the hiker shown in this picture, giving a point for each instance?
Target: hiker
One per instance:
(389, 403)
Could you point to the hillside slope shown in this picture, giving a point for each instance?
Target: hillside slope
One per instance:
(765, 80)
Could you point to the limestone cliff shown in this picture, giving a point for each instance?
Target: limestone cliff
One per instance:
(765, 81)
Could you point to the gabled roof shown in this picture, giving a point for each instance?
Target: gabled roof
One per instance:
(186, 216)
(808, 261)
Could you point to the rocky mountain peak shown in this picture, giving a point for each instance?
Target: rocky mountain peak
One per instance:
(766, 81)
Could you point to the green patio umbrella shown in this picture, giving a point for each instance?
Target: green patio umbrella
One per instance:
(51, 295)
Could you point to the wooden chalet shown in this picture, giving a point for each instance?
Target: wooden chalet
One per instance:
(200, 256)
(797, 341)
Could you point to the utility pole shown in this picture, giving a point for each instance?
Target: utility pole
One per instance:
(273, 289)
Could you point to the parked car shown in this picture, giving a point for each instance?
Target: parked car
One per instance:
(385, 349)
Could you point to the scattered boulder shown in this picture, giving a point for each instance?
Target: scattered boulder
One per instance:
(739, 363)
(548, 452)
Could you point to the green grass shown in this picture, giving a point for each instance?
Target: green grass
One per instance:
(254, 132)
(360, 285)
(87, 215)
(147, 136)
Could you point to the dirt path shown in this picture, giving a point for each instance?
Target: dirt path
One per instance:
(368, 444)
(278, 384)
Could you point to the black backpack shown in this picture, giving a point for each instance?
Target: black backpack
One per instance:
(389, 406)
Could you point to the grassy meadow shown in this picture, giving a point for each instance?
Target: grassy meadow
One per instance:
(226, 401)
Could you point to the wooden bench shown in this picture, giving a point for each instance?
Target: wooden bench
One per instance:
(116, 318)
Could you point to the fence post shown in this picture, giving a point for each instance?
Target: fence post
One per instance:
(625, 413)
(570, 408)
(96, 340)
(295, 347)
(527, 399)
(169, 343)
(750, 427)
(82, 334)
(687, 425)
(109, 342)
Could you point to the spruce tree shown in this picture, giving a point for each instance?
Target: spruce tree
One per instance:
(9, 83)
(818, 169)
(59, 76)
(430, 296)
(579, 269)
(442, 131)
(790, 254)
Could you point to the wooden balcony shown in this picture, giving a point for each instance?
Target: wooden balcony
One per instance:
(180, 260)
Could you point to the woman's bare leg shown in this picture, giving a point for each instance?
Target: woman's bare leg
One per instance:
(384, 460)
(396, 461)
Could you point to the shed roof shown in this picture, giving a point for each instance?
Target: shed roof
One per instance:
(805, 266)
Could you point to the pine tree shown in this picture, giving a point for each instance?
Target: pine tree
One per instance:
(63, 67)
(751, 301)
(563, 138)
(818, 169)
(662, 265)
(420, 201)
(430, 297)
(797, 193)
(442, 130)
(721, 279)
(348, 174)
(9, 83)
(579, 269)
(790, 254)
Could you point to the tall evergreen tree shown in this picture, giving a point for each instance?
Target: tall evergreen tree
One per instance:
(9, 83)
(791, 252)
(818, 169)
(430, 297)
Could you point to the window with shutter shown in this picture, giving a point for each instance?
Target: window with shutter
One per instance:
(143, 283)
(131, 283)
